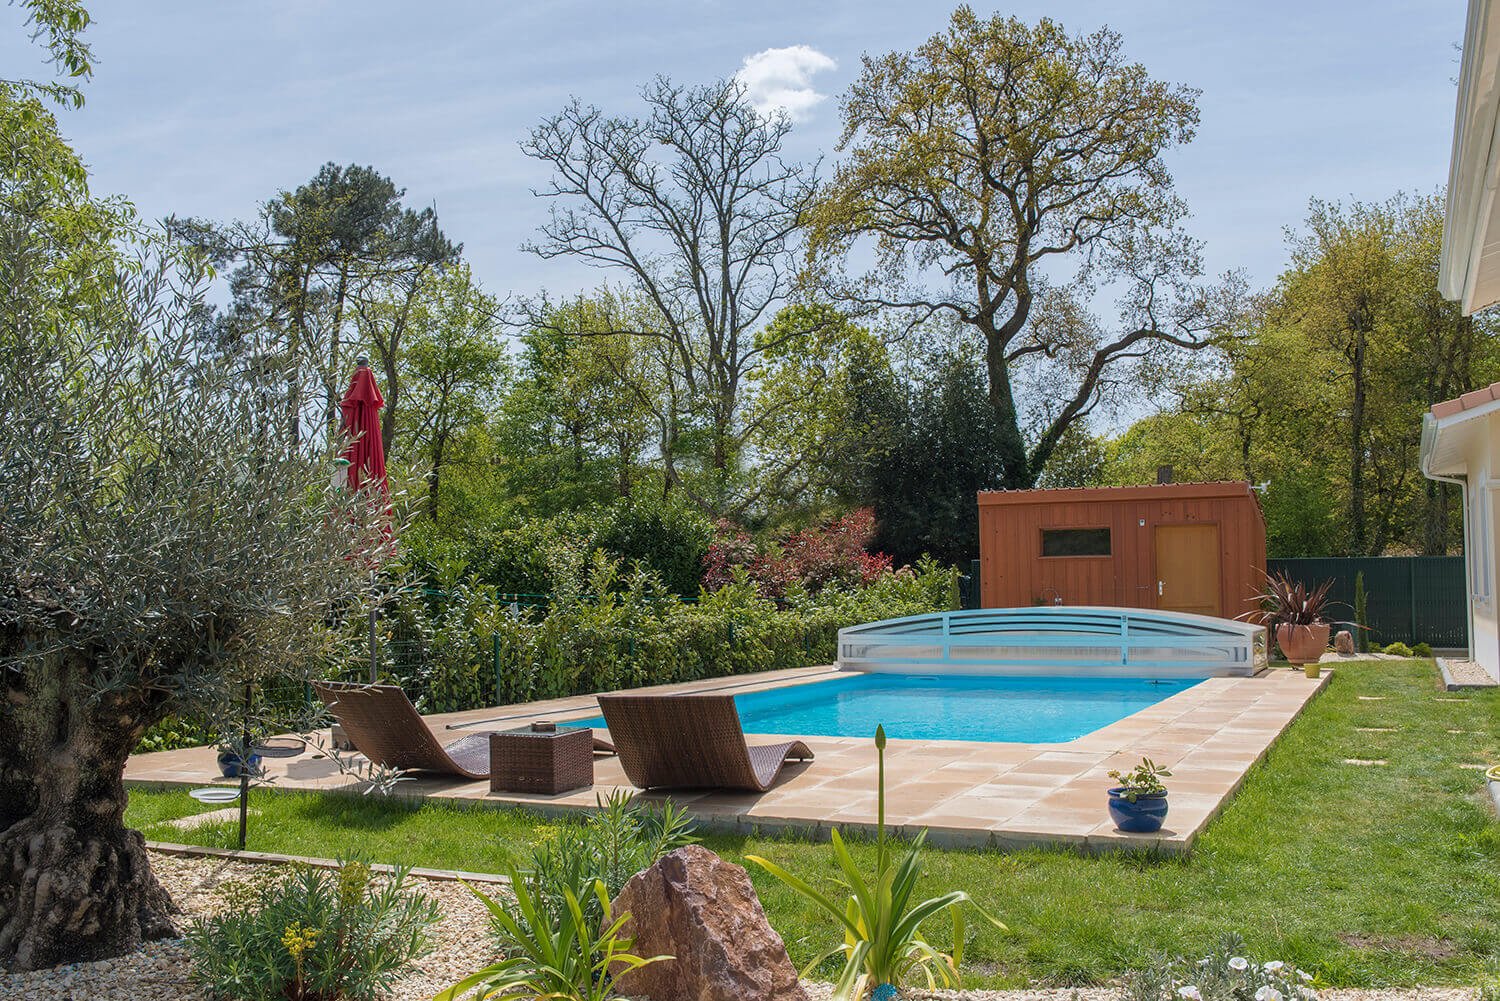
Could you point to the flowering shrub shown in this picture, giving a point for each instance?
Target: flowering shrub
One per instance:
(813, 558)
(1226, 974)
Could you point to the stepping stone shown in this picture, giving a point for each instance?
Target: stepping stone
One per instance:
(1383, 729)
(211, 817)
(1364, 761)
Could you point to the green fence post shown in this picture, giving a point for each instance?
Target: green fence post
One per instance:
(1411, 581)
(495, 656)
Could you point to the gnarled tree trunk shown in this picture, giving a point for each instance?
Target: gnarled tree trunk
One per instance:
(75, 884)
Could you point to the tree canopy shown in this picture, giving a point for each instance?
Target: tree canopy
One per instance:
(983, 162)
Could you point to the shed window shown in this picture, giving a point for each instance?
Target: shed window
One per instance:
(1075, 542)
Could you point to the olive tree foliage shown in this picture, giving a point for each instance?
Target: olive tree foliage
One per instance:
(694, 205)
(1006, 175)
(165, 539)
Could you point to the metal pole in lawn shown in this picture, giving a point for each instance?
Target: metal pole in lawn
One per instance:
(374, 653)
(245, 767)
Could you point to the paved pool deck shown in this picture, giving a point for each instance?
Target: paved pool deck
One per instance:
(965, 793)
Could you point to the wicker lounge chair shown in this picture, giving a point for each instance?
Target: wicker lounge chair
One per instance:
(384, 726)
(691, 742)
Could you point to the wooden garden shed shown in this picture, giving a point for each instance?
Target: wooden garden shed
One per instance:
(1186, 547)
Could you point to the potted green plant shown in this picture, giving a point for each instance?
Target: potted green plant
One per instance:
(1139, 803)
(1294, 613)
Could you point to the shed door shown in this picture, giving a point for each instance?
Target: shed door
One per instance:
(1187, 568)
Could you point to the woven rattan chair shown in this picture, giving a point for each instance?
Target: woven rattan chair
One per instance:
(691, 742)
(385, 727)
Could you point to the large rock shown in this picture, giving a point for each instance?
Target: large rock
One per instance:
(695, 906)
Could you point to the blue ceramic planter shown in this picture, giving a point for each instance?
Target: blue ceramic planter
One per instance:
(229, 764)
(1143, 816)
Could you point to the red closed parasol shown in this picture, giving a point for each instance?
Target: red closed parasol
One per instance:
(361, 409)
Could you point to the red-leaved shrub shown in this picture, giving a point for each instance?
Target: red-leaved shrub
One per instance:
(814, 557)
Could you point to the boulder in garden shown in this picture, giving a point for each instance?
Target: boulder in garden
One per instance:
(703, 911)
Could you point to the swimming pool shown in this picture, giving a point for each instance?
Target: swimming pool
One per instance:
(1033, 710)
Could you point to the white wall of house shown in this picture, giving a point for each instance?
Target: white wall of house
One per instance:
(1461, 438)
(1482, 458)
(1461, 445)
(1480, 550)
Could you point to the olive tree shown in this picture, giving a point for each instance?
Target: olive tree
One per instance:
(165, 539)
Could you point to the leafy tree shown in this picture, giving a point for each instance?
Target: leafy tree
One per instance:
(931, 446)
(165, 538)
(456, 367)
(585, 406)
(322, 267)
(695, 206)
(58, 25)
(1321, 392)
(1078, 460)
(801, 415)
(982, 165)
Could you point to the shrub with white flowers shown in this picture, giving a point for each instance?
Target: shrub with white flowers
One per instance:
(1225, 974)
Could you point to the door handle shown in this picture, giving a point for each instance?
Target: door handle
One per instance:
(1159, 585)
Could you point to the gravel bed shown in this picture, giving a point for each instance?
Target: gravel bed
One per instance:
(1467, 672)
(161, 970)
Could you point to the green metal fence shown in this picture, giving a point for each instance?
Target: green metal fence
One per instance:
(1413, 599)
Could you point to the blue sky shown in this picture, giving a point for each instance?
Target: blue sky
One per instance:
(206, 108)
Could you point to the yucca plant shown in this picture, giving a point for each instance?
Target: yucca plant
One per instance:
(569, 958)
(883, 945)
(1284, 601)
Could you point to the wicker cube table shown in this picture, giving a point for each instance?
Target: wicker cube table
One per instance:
(541, 761)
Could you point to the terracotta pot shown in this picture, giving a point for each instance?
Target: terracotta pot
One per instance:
(1302, 644)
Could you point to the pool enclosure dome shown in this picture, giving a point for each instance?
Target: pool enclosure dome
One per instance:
(1085, 641)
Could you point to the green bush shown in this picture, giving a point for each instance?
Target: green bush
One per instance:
(1398, 649)
(880, 922)
(667, 538)
(312, 934)
(1422, 650)
(174, 733)
(612, 845)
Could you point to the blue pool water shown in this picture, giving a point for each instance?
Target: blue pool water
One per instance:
(1034, 710)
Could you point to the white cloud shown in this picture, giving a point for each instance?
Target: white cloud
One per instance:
(781, 79)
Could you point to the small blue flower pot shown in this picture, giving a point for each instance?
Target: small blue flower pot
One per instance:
(229, 764)
(1143, 816)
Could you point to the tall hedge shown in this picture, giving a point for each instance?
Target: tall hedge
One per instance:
(605, 629)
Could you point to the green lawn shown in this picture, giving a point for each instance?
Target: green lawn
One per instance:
(1371, 876)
